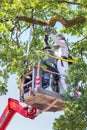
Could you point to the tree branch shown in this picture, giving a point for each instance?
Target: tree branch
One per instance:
(33, 21)
(69, 2)
(66, 23)
(83, 39)
(23, 31)
(73, 3)
(53, 20)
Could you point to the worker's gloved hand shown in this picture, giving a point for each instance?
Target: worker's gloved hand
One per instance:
(48, 31)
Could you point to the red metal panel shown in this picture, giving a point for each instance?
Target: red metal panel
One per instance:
(5, 118)
(24, 111)
(13, 107)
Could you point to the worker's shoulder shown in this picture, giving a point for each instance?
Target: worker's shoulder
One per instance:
(63, 42)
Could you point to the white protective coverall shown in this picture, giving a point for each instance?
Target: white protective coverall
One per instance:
(62, 66)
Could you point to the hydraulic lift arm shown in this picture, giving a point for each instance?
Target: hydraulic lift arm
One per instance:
(13, 107)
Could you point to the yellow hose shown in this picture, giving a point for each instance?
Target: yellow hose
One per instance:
(60, 58)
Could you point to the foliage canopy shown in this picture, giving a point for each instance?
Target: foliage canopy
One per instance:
(17, 51)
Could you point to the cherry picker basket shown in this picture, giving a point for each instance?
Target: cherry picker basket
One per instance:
(33, 92)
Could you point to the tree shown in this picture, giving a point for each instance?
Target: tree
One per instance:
(75, 115)
(17, 54)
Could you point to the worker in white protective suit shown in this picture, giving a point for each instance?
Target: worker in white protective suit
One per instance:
(60, 50)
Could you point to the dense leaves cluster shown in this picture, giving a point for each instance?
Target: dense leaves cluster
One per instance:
(75, 115)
